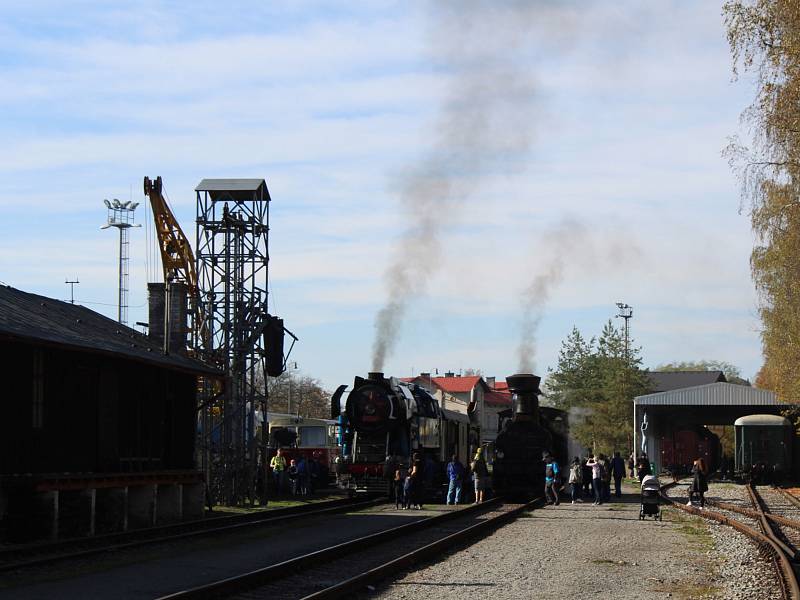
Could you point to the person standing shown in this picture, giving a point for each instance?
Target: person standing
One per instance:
(400, 475)
(551, 478)
(642, 467)
(597, 483)
(302, 476)
(605, 477)
(576, 480)
(700, 480)
(586, 474)
(631, 465)
(455, 475)
(389, 469)
(417, 475)
(292, 474)
(618, 472)
(278, 465)
(480, 474)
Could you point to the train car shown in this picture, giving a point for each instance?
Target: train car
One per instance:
(385, 417)
(298, 436)
(681, 448)
(518, 469)
(764, 441)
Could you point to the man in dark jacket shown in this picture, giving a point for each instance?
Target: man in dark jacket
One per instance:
(618, 472)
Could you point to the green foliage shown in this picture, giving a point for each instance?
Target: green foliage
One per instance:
(764, 37)
(599, 377)
(731, 372)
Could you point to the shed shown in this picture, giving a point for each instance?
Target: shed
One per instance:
(93, 407)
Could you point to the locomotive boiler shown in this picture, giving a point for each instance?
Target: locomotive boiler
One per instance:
(518, 469)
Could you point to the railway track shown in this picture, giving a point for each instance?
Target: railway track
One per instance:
(773, 537)
(345, 569)
(46, 554)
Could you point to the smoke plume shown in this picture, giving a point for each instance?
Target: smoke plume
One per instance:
(568, 246)
(560, 243)
(485, 124)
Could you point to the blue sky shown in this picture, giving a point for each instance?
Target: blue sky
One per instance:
(332, 103)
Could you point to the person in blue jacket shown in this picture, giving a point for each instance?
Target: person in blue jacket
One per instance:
(455, 474)
(552, 479)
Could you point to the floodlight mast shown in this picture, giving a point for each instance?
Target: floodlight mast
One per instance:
(121, 216)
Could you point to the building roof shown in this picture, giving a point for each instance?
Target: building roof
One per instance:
(500, 385)
(457, 385)
(33, 318)
(497, 397)
(664, 381)
(712, 394)
(230, 185)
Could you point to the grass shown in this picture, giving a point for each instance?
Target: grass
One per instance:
(271, 505)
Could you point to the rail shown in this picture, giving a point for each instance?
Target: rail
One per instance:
(18, 558)
(767, 540)
(274, 573)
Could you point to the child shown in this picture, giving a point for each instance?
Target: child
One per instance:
(292, 472)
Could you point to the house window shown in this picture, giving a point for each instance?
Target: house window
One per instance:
(38, 390)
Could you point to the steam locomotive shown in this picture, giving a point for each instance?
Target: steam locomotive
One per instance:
(525, 438)
(385, 417)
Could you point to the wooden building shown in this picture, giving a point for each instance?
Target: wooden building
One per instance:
(98, 425)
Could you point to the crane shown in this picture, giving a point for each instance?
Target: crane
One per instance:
(177, 258)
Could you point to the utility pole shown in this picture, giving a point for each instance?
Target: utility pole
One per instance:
(626, 313)
(71, 285)
(120, 215)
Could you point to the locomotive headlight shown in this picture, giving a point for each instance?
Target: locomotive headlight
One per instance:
(501, 455)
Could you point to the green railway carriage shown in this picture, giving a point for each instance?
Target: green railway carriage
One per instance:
(763, 439)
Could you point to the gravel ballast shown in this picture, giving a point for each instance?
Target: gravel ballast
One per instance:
(585, 551)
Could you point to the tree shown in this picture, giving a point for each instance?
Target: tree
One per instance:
(297, 394)
(602, 378)
(574, 382)
(764, 37)
(732, 373)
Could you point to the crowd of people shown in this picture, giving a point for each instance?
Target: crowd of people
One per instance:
(299, 477)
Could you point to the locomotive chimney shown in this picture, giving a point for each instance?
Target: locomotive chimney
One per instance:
(525, 388)
(375, 376)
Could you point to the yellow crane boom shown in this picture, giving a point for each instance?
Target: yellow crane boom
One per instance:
(177, 258)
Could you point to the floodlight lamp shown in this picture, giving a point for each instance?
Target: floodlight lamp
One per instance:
(116, 203)
(126, 204)
(107, 203)
(133, 206)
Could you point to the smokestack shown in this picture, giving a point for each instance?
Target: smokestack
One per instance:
(525, 388)
(177, 317)
(375, 376)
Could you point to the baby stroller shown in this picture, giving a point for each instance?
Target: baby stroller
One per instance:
(651, 488)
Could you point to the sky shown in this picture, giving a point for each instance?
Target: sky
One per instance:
(335, 105)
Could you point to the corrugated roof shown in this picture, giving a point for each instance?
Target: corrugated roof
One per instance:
(457, 385)
(230, 185)
(713, 394)
(664, 381)
(35, 318)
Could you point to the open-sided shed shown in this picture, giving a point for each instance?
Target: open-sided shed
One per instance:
(658, 416)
